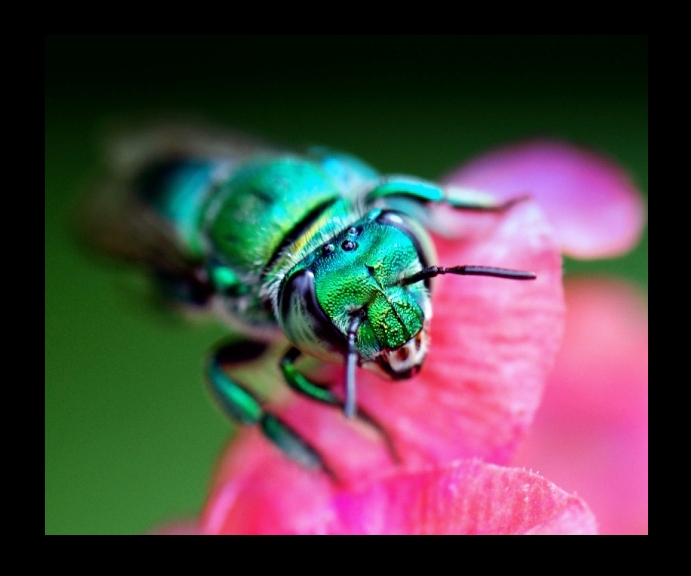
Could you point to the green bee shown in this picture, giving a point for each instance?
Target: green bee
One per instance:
(315, 247)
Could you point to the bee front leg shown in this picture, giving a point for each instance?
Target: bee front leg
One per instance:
(244, 407)
(305, 387)
(301, 384)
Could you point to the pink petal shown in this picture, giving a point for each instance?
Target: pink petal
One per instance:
(595, 208)
(591, 432)
(275, 496)
(467, 497)
(493, 343)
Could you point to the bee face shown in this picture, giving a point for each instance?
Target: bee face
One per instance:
(358, 273)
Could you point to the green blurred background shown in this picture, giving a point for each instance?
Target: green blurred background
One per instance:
(131, 436)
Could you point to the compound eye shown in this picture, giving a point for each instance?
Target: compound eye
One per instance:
(348, 245)
(328, 248)
(302, 318)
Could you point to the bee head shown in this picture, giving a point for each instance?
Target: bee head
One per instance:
(358, 273)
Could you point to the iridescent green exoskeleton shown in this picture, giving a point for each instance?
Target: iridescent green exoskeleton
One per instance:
(316, 247)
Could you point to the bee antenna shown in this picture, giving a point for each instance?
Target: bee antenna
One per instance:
(352, 357)
(432, 271)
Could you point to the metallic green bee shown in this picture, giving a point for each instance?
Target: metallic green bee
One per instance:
(316, 247)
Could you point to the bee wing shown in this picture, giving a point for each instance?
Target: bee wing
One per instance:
(129, 150)
(115, 223)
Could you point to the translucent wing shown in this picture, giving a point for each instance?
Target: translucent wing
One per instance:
(116, 223)
(129, 150)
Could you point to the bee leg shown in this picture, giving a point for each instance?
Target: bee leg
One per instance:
(422, 192)
(244, 407)
(301, 384)
(471, 200)
(304, 386)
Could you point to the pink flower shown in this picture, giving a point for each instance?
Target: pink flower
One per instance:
(458, 423)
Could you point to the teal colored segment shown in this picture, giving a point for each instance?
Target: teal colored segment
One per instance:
(222, 277)
(417, 189)
(184, 199)
(290, 442)
(349, 173)
(303, 386)
(263, 204)
(234, 399)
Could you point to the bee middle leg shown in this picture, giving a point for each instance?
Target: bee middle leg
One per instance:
(244, 407)
(423, 193)
(302, 385)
